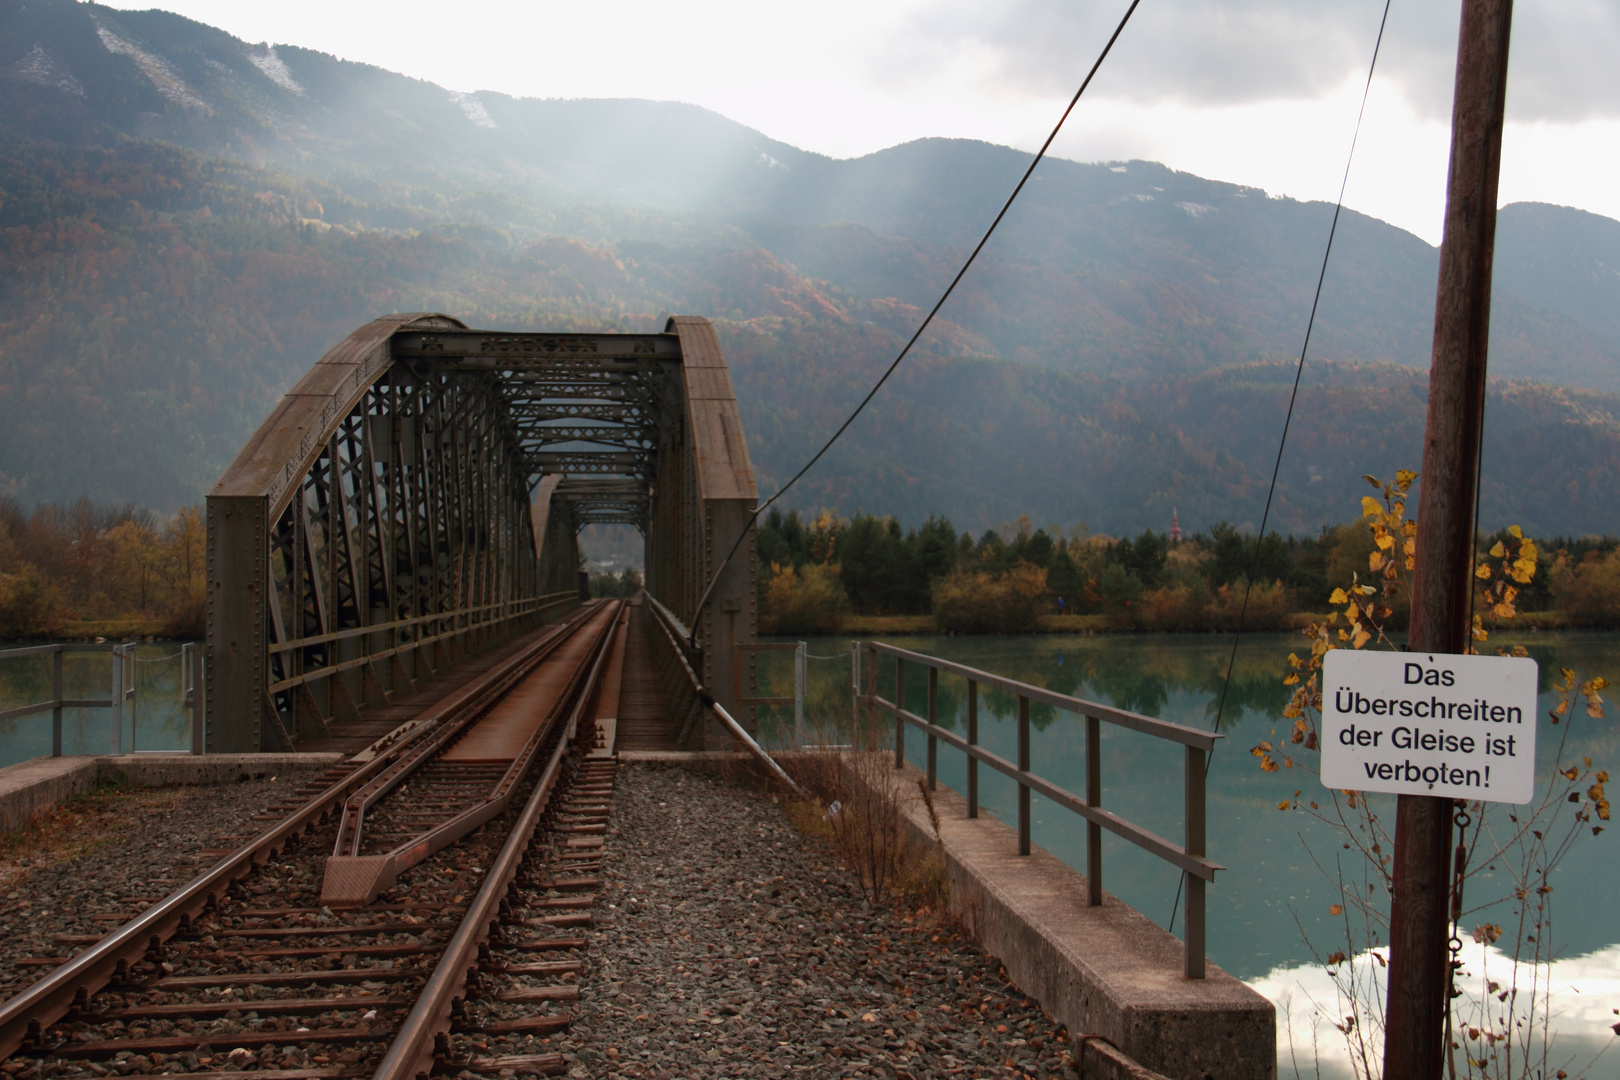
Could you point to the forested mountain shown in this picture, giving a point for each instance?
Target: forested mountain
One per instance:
(187, 221)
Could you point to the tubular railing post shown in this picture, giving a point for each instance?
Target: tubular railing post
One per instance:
(56, 702)
(1023, 766)
(799, 674)
(1093, 800)
(134, 698)
(973, 740)
(933, 719)
(115, 704)
(1194, 812)
(854, 688)
(192, 664)
(899, 707)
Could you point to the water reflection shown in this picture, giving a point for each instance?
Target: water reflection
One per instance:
(1274, 896)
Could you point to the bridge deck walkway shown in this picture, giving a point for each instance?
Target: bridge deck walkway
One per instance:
(350, 736)
(644, 722)
(503, 733)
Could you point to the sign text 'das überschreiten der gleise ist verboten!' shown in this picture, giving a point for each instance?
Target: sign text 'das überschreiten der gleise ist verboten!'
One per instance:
(1420, 724)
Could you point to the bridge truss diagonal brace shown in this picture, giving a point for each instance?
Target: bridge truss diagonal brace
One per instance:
(416, 498)
(373, 528)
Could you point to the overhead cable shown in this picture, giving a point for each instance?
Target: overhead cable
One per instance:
(1288, 418)
(929, 318)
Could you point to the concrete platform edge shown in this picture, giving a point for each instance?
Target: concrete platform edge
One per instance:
(31, 788)
(681, 757)
(1107, 970)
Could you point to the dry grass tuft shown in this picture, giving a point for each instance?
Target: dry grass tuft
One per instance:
(857, 804)
(80, 825)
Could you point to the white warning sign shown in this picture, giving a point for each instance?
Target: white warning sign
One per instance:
(1419, 724)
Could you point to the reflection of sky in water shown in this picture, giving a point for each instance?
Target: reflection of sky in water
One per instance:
(1583, 993)
(1276, 888)
(159, 721)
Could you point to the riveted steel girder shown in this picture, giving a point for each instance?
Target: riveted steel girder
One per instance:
(417, 494)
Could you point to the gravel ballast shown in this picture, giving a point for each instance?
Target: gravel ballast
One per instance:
(107, 857)
(728, 943)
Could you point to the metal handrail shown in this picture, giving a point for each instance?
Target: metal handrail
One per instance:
(673, 621)
(121, 689)
(1188, 857)
(517, 609)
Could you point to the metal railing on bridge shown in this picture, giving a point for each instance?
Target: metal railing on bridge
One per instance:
(1188, 856)
(121, 690)
(425, 631)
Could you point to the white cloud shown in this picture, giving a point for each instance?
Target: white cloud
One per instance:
(1259, 92)
(1234, 52)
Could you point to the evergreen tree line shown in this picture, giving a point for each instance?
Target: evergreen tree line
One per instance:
(64, 567)
(815, 571)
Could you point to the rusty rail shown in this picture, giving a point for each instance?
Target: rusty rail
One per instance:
(412, 1052)
(38, 1006)
(353, 879)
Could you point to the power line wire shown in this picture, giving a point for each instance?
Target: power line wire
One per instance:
(1288, 419)
(946, 295)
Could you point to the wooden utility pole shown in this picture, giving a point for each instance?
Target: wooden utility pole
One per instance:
(1442, 582)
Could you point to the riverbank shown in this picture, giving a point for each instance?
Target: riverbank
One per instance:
(879, 625)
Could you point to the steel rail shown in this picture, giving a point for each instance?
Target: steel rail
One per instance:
(411, 1054)
(384, 869)
(354, 809)
(33, 1009)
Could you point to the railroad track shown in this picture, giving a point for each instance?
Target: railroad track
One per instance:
(419, 910)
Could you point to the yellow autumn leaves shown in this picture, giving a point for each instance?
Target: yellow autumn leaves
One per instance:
(1363, 611)
(1515, 565)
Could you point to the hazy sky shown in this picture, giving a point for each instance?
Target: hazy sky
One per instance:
(1260, 92)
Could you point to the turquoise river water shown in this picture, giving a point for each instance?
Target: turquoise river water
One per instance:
(1270, 919)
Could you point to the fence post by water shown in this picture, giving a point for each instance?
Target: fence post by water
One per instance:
(56, 703)
(122, 686)
(1189, 856)
(1194, 845)
(973, 740)
(800, 658)
(123, 678)
(191, 696)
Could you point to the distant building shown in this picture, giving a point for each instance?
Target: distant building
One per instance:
(1175, 527)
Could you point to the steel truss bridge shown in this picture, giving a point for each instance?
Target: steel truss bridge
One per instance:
(416, 497)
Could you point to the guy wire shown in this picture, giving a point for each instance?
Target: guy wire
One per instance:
(1288, 419)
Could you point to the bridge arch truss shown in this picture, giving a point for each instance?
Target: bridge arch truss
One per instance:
(416, 498)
